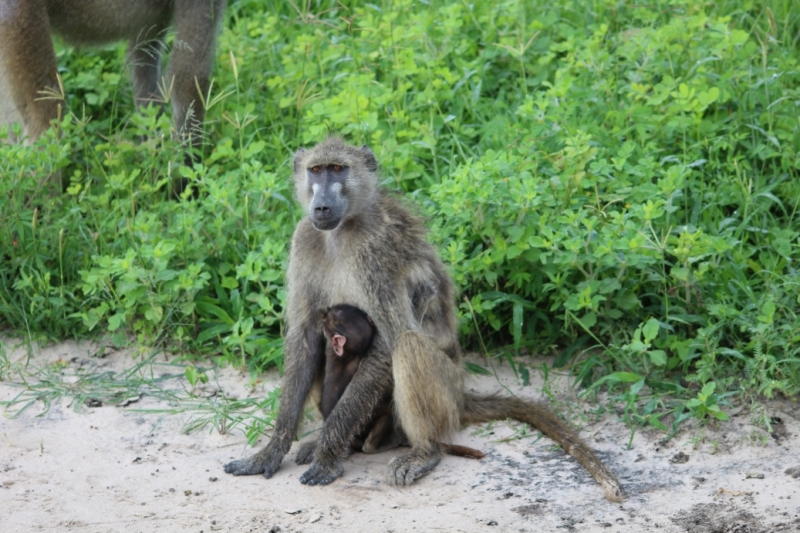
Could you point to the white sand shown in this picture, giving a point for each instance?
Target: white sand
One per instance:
(114, 469)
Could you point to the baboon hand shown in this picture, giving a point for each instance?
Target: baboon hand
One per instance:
(266, 462)
(306, 453)
(321, 475)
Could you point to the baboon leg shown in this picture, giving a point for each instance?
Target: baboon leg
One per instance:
(27, 67)
(190, 64)
(428, 396)
(144, 58)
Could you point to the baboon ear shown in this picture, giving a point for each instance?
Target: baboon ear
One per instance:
(338, 342)
(298, 156)
(369, 158)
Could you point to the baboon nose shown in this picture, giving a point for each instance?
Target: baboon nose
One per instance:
(322, 209)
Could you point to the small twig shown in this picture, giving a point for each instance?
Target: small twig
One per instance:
(733, 492)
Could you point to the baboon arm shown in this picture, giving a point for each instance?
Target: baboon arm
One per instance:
(304, 349)
(350, 415)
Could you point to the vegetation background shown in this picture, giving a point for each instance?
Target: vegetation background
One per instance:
(614, 183)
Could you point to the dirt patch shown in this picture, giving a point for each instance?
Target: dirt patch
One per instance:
(127, 464)
(718, 518)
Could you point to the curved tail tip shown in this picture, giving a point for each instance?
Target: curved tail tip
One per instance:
(614, 492)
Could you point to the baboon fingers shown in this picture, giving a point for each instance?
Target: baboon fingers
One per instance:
(244, 467)
(265, 462)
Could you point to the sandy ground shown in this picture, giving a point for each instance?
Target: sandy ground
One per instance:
(110, 468)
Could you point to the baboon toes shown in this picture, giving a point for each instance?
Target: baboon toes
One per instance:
(405, 470)
(321, 475)
(306, 453)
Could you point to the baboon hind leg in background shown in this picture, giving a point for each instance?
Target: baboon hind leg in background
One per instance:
(28, 62)
(361, 246)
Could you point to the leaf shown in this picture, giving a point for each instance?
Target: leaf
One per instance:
(191, 375)
(650, 330)
(525, 375)
(115, 321)
(589, 320)
(618, 377)
(478, 370)
(513, 251)
(211, 332)
(658, 357)
(708, 389)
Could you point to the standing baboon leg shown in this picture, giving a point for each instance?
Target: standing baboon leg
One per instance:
(190, 65)
(27, 67)
(428, 396)
(144, 58)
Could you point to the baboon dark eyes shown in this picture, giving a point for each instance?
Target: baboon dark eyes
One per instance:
(337, 168)
(315, 170)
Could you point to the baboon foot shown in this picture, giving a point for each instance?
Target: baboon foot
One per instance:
(406, 469)
(265, 462)
(306, 453)
(321, 475)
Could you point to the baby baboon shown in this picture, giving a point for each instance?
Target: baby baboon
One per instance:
(343, 324)
(349, 331)
(28, 61)
(360, 244)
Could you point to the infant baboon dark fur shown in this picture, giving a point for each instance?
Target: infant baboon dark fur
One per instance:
(362, 246)
(349, 331)
(28, 60)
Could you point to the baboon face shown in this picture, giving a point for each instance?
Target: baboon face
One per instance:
(328, 203)
(334, 179)
(349, 330)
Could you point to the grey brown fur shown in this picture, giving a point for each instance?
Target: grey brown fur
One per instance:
(362, 246)
(28, 62)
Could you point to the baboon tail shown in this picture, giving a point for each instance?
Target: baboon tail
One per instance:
(485, 408)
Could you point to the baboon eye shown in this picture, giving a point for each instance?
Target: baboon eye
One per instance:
(337, 168)
(315, 170)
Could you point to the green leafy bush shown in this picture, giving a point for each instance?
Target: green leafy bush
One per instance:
(613, 182)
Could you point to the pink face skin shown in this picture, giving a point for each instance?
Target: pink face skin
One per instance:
(337, 341)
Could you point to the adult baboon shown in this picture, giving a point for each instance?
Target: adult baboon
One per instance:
(361, 245)
(28, 61)
(349, 332)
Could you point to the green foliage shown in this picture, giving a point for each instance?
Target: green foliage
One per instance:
(617, 181)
